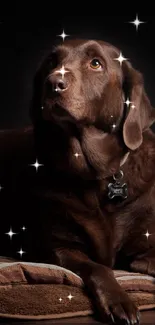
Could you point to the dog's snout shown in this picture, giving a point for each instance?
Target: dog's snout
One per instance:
(58, 84)
(61, 85)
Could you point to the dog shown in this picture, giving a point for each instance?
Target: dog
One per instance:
(95, 191)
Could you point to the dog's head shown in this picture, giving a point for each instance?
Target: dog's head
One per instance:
(82, 82)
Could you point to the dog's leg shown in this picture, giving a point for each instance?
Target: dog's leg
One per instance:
(144, 263)
(107, 295)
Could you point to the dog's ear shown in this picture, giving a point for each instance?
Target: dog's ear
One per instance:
(35, 110)
(141, 115)
(35, 104)
(36, 100)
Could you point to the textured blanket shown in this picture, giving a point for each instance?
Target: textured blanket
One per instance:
(44, 291)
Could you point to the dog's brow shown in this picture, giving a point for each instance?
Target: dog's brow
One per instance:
(93, 48)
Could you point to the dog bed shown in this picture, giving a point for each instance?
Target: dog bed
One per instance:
(36, 291)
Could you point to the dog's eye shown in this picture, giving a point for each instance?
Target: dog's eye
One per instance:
(95, 64)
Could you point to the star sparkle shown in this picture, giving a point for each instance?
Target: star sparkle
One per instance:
(21, 252)
(62, 71)
(114, 126)
(137, 22)
(10, 233)
(60, 299)
(128, 102)
(77, 154)
(121, 58)
(70, 296)
(63, 35)
(147, 234)
(23, 228)
(36, 165)
(133, 106)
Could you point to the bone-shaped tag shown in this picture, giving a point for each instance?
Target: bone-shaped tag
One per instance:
(117, 190)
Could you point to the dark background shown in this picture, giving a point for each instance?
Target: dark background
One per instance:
(26, 37)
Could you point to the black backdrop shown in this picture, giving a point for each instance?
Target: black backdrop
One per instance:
(25, 37)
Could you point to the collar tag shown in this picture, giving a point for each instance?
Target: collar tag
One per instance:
(117, 188)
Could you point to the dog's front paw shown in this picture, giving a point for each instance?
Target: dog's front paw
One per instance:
(112, 303)
(118, 307)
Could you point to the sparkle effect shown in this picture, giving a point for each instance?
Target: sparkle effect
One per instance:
(23, 228)
(36, 165)
(10, 233)
(63, 35)
(62, 71)
(137, 22)
(70, 297)
(128, 102)
(147, 234)
(60, 299)
(121, 58)
(77, 155)
(1, 187)
(21, 252)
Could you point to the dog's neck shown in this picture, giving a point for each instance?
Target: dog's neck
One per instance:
(105, 152)
(95, 155)
(87, 150)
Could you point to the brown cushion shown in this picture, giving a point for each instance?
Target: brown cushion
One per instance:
(33, 291)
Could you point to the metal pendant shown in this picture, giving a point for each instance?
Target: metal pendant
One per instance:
(117, 188)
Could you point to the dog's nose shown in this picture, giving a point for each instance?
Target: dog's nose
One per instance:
(58, 84)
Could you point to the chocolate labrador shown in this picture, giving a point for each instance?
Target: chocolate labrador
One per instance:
(91, 123)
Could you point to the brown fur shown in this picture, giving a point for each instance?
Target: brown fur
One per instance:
(80, 227)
